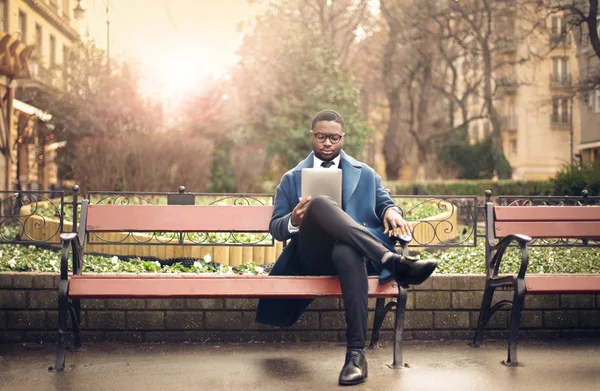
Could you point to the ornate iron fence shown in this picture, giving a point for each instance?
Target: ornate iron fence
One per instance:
(25, 216)
(185, 238)
(541, 201)
(451, 221)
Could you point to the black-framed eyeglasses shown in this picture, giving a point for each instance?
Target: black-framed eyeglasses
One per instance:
(334, 138)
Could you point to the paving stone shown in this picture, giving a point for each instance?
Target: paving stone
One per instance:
(165, 304)
(205, 304)
(577, 301)
(561, 319)
(22, 281)
(333, 320)
(43, 300)
(106, 320)
(467, 299)
(241, 304)
(542, 301)
(181, 320)
(148, 320)
(432, 300)
(43, 281)
(228, 320)
(10, 299)
(589, 319)
(26, 320)
(451, 319)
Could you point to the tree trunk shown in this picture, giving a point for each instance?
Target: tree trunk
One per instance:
(391, 149)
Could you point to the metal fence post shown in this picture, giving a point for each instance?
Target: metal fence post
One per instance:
(75, 203)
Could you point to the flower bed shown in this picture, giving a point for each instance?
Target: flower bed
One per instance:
(469, 260)
(42, 226)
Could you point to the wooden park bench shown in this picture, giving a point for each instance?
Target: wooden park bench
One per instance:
(506, 225)
(100, 218)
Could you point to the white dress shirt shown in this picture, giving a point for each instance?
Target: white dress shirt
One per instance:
(316, 164)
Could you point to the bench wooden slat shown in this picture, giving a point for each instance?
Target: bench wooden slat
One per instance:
(572, 283)
(545, 229)
(162, 286)
(178, 218)
(547, 213)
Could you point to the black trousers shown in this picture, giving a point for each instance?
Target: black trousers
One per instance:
(332, 243)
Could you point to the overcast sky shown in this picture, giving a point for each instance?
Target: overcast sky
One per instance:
(174, 42)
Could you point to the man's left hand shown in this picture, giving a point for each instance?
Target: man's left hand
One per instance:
(394, 224)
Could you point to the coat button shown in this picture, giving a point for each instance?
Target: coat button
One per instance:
(365, 224)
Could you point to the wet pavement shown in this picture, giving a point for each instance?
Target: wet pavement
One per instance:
(447, 366)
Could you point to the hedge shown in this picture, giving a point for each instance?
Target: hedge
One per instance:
(471, 187)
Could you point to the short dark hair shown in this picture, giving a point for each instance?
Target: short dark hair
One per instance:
(328, 115)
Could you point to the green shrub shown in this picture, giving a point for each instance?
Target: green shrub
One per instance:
(572, 180)
(471, 187)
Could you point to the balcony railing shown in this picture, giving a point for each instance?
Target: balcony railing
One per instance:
(506, 44)
(562, 120)
(41, 74)
(561, 40)
(560, 79)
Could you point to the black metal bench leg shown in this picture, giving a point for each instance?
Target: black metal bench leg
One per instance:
(515, 321)
(380, 313)
(75, 310)
(484, 314)
(399, 327)
(63, 305)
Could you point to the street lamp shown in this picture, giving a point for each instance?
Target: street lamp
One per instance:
(78, 12)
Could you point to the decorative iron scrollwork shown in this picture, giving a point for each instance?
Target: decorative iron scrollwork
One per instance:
(439, 221)
(25, 216)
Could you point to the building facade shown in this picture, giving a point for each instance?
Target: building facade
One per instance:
(589, 147)
(48, 29)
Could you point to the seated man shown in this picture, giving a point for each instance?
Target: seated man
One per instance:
(350, 240)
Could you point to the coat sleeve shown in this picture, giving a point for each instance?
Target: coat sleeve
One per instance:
(282, 212)
(383, 201)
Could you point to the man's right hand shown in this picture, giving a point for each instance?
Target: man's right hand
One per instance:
(299, 210)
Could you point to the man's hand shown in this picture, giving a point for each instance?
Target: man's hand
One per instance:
(299, 210)
(394, 224)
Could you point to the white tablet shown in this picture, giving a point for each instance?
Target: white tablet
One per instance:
(319, 181)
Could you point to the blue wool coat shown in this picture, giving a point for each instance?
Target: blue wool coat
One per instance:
(363, 198)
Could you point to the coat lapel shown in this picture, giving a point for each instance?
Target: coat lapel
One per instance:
(306, 163)
(351, 174)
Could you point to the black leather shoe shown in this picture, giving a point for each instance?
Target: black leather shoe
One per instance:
(355, 368)
(407, 270)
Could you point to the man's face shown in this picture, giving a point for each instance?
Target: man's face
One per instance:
(327, 150)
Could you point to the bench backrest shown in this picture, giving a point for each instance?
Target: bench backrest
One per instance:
(547, 221)
(177, 218)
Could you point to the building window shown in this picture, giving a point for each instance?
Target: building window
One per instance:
(559, 35)
(560, 70)
(52, 50)
(38, 41)
(560, 111)
(54, 4)
(597, 106)
(3, 23)
(22, 27)
(486, 129)
(512, 147)
(66, 9)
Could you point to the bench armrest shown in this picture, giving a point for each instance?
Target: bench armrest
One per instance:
(70, 241)
(501, 247)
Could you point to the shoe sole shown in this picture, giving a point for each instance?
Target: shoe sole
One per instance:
(354, 382)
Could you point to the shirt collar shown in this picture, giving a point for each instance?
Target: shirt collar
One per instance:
(317, 162)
